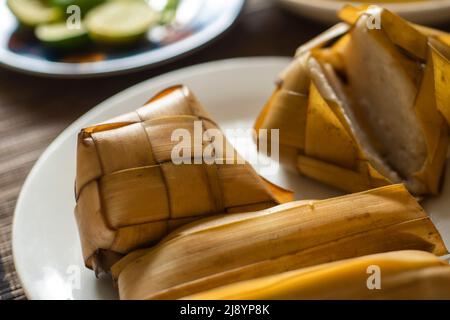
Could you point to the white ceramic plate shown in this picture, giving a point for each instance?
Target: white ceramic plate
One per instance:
(427, 12)
(45, 240)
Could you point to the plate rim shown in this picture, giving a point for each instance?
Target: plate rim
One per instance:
(170, 53)
(202, 68)
(406, 7)
(419, 12)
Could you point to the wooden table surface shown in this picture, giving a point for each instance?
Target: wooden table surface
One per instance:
(33, 111)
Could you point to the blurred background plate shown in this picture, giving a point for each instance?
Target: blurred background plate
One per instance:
(197, 23)
(425, 11)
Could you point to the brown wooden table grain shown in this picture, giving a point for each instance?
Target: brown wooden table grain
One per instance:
(33, 111)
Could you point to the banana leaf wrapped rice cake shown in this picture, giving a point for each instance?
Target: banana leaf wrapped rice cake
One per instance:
(129, 192)
(366, 104)
(222, 250)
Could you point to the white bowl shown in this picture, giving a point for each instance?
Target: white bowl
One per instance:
(427, 12)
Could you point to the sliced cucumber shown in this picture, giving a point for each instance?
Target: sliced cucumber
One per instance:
(85, 5)
(58, 35)
(34, 12)
(120, 22)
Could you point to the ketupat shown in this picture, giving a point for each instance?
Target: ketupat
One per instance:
(129, 193)
(370, 109)
(223, 250)
(402, 275)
